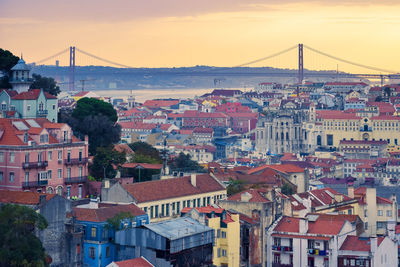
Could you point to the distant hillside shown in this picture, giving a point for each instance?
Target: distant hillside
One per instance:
(102, 78)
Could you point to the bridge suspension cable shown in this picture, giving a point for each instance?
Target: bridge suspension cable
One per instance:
(103, 59)
(350, 62)
(53, 56)
(267, 57)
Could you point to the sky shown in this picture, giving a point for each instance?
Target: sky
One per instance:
(176, 33)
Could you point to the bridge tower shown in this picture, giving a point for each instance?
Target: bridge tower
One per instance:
(72, 68)
(301, 64)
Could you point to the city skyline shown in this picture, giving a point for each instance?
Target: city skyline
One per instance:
(227, 33)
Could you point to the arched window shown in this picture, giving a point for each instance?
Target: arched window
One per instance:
(59, 190)
(49, 190)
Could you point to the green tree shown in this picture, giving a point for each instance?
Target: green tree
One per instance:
(103, 162)
(7, 61)
(183, 162)
(235, 186)
(47, 84)
(94, 118)
(287, 190)
(115, 222)
(86, 107)
(145, 149)
(19, 246)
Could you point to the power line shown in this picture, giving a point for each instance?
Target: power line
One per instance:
(103, 59)
(53, 56)
(267, 57)
(349, 62)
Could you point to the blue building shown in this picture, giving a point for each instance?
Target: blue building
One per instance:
(99, 248)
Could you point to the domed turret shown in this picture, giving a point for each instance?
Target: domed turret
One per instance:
(20, 79)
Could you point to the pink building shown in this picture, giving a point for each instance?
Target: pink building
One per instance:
(193, 119)
(37, 155)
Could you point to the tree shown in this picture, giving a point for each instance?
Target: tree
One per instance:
(19, 246)
(86, 107)
(115, 222)
(147, 150)
(7, 61)
(103, 161)
(94, 118)
(235, 186)
(287, 190)
(48, 85)
(183, 162)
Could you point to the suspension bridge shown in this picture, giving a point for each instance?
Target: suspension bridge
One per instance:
(369, 72)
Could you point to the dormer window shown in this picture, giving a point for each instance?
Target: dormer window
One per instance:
(41, 106)
(3, 106)
(44, 138)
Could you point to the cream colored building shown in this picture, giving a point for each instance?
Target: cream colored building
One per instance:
(165, 199)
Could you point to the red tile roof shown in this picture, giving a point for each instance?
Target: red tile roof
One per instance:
(24, 198)
(160, 103)
(106, 212)
(31, 95)
(257, 195)
(137, 262)
(142, 165)
(172, 188)
(284, 168)
(355, 243)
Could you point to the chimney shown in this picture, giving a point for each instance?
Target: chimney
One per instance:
(350, 191)
(93, 204)
(374, 245)
(42, 199)
(106, 183)
(303, 226)
(193, 179)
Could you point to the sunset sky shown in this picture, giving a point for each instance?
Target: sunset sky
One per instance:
(167, 33)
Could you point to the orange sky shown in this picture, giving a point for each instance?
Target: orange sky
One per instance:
(185, 33)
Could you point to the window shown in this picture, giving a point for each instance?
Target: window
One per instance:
(49, 174)
(59, 154)
(3, 106)
(366, 226)
(44, 138)
(41, 106)
(80, 155)
(223, 234)
(54, 107)
(69, 156)
(92, 252)
(224, 252)
(388, 213)
(380, 225)
(1, 156)
(107, 252)
(311, 244)
(12, 157)
(78, 249)
(26, 177)
(27, 157)
(365, 213)
(219, 253)
(94, 231)
(28, 107)
(11, 176)
(218, 233)
(167, 210)
(380, 212)
(59, 173)
(1, 176)
(156, 211)
(68, 172)
(50, 155)
(277, 241)
(329, 139)
(277, 258)
(68, 192)
(59, 190)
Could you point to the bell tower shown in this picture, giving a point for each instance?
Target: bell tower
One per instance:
(20, 77)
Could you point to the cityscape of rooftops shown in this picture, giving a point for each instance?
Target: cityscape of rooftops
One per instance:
(199, 133)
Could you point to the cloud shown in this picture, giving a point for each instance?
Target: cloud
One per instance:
(125, 10)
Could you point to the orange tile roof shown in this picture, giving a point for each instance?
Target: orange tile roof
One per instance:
(257, 195)
(172, 188)
(20, 197)
(106, 212)
(137, 262)
(354, 243)
(285, 168)
(32, 94)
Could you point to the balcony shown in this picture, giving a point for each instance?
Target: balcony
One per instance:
(76, 180)
(34, 184)
(276, 264)
(42, 113)
(282, 248)
(35, 165)
(75, 161)
(317, 252)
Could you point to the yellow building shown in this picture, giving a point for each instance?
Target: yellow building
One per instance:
(164, 199)
(226, 251)
(339, 125)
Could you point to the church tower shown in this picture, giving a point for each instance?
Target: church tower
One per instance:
(20, 79)
(131, 101)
